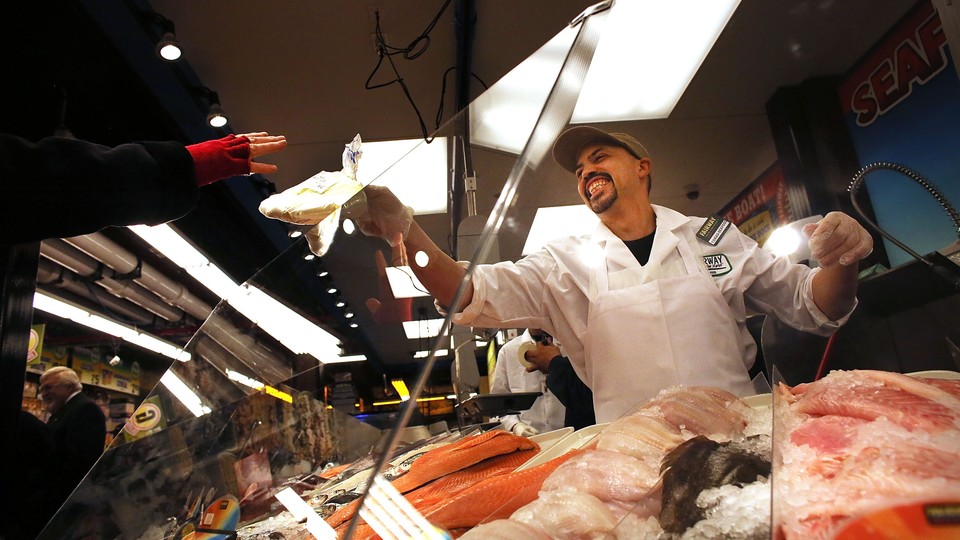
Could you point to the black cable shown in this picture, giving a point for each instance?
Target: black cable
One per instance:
(412, 51)
(443, 91)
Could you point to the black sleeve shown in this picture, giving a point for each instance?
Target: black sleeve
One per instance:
(575, 395)
(64, 187)
(85, 438)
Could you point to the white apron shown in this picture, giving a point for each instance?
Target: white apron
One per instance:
(652, 328)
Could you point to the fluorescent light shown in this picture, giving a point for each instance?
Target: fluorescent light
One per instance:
(244, 380)
(404, 284)
(289, 328)
(633, 75)
(503, 116)
(181, 391)
(394, 163)
(426, 328)
(345, 359)
(641, 75)
(557, 222)
(425, 354)
(77, 314)
(302, 511)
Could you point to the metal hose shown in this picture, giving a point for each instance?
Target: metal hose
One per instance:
(859, 178)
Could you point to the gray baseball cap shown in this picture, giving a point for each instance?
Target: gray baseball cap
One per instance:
(571, 141)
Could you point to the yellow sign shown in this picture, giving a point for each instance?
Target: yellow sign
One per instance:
(147, 419)
(35, 347)
(48, 359)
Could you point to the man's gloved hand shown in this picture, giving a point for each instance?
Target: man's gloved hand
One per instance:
(381, 215)
(838, 238)
(524, 430)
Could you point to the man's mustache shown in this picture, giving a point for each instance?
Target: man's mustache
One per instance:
(595, 174)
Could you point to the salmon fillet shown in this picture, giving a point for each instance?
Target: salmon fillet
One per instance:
(445, 460)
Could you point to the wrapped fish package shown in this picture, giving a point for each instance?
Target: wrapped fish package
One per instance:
(318, 200)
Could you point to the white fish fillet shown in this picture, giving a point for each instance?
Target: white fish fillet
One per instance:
(607, 475)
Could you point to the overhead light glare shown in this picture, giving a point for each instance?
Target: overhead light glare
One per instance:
(559, 222)
(504, 115)
(77, 314)
(788, 240)
(289, 327)
(182, 392)
(426, 328)
(403, 282)
(303, 512)
(393, 163)
(425, 354)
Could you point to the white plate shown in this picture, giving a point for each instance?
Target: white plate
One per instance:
(550, 438)
(758, 401)
(571, 442)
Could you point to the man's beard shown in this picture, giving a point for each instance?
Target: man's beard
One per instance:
(603, 203)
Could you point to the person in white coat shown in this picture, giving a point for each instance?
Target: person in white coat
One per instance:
(511, 377)
(644, 302)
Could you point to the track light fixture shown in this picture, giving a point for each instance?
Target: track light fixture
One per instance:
(215, 115)
(168, 48)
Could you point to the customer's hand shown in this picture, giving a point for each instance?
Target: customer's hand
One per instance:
(261, 144)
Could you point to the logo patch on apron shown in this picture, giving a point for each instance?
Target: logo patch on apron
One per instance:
(713, 230)
(717, 265)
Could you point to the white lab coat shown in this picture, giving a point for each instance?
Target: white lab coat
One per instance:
(555, 288)
(509, 376)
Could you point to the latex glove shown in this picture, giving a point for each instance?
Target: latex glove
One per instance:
(381, 215)
(838, 238)
(524, 430)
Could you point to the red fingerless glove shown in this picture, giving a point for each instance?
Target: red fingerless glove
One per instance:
(221, 158)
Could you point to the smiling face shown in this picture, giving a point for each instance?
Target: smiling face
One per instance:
(54, 391)
(606, 173)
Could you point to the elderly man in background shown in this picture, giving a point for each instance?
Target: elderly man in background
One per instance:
(77, 427)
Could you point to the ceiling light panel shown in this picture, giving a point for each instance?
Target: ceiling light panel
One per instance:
(413, 170)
